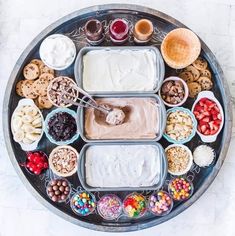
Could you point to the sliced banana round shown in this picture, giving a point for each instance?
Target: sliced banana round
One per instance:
(19, 112)
(37, 116)
(16, 123)
(27, 119)
(28, 128)
(31, 111)
(32, 137)
(19, 136)
(37, 122)
(27, 141)
(37, 131)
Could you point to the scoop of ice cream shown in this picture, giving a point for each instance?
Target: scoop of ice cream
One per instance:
(115, 117)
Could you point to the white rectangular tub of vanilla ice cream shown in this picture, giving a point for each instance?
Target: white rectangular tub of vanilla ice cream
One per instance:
(122, 167)
(119, 69)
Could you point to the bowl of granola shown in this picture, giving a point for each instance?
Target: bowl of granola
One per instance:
(180, 159)
(181, 125)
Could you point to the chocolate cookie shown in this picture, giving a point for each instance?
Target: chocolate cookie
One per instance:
(194, 71)
(194, 89)
(205, 73)
(41, 84)
(31, 71)
(27, 89)
(19, 88)
(200, 64)
(45, 69)
(37, 103)
(44, 102)
(205, 83)
(187, 76)
(37, 62)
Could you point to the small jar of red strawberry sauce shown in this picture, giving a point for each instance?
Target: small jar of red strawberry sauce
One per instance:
(118, 31)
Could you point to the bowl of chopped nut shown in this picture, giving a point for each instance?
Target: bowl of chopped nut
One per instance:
(180, 159)
(63, 160)
(181, 125)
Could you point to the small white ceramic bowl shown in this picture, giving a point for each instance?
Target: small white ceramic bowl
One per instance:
(210, 95)
(190, 163)
(186, 92)
(69, 42)
(28, 102)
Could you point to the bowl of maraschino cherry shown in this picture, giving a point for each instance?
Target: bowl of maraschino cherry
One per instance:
(36, 162)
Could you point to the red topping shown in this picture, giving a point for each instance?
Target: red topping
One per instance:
(36, 162)
(119, 27)
(208, 116)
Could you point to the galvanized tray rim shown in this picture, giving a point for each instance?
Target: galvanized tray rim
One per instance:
(116, 8)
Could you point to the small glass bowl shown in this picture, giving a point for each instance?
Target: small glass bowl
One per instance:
(46, 128)
(155, 195)
(170, 190)
(119, 35)
(76, 199)
(118, 207)
(142, 212)
(25, 163)
(119, 38)
(194, 124)
(70, 189)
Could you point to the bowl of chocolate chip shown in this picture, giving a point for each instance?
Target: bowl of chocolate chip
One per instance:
(58, 190)
(174, 91)
(61, 126)
(63, 161)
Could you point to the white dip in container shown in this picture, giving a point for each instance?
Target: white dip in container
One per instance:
(119, 70)
(57, 51)
(122, 165)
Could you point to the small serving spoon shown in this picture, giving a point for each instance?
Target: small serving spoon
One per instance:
(113, 116)
(83, 101)
(102, 109)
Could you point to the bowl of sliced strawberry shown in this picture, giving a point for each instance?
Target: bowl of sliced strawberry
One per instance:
(209, 115)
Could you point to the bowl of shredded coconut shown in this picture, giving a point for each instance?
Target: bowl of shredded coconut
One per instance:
(203, 155)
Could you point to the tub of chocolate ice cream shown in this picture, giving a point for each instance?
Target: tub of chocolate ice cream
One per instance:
(145, 119)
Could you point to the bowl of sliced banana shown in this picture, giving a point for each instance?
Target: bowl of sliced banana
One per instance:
(27, 124)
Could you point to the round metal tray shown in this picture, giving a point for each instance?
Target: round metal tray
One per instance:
(72, 26)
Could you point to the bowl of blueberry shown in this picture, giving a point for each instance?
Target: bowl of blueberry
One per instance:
(61, 127)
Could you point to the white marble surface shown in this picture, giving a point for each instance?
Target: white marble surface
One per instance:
(20, 21)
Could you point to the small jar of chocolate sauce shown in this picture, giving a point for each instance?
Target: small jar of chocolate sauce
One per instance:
(94, 32)
(119, 31)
